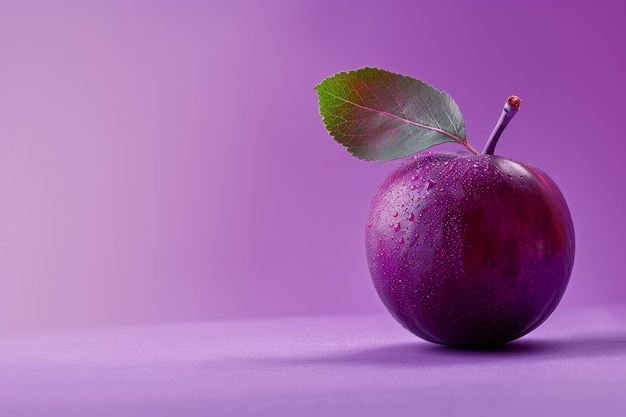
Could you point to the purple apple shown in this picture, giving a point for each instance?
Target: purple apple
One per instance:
(469, 250)
(464, 250)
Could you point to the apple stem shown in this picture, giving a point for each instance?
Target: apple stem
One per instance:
(510, 109)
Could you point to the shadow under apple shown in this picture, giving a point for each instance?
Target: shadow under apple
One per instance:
(421, 354)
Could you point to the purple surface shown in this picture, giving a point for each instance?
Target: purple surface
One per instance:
(574, 365)
(165, 160)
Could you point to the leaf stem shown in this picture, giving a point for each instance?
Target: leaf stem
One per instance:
(510, 109)
(469, 147)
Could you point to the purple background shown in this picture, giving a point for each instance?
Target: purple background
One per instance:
(165, 161)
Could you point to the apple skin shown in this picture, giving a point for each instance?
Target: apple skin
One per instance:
(469, 251)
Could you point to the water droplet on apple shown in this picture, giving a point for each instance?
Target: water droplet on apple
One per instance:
(402, 241)
(395, 214)
(431, 184)
(397, 228)
(412, 187)
(411, 217)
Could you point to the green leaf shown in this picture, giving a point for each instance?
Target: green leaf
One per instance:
(379, 115)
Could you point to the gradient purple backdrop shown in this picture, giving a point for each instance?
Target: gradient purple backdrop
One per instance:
(165, 160)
